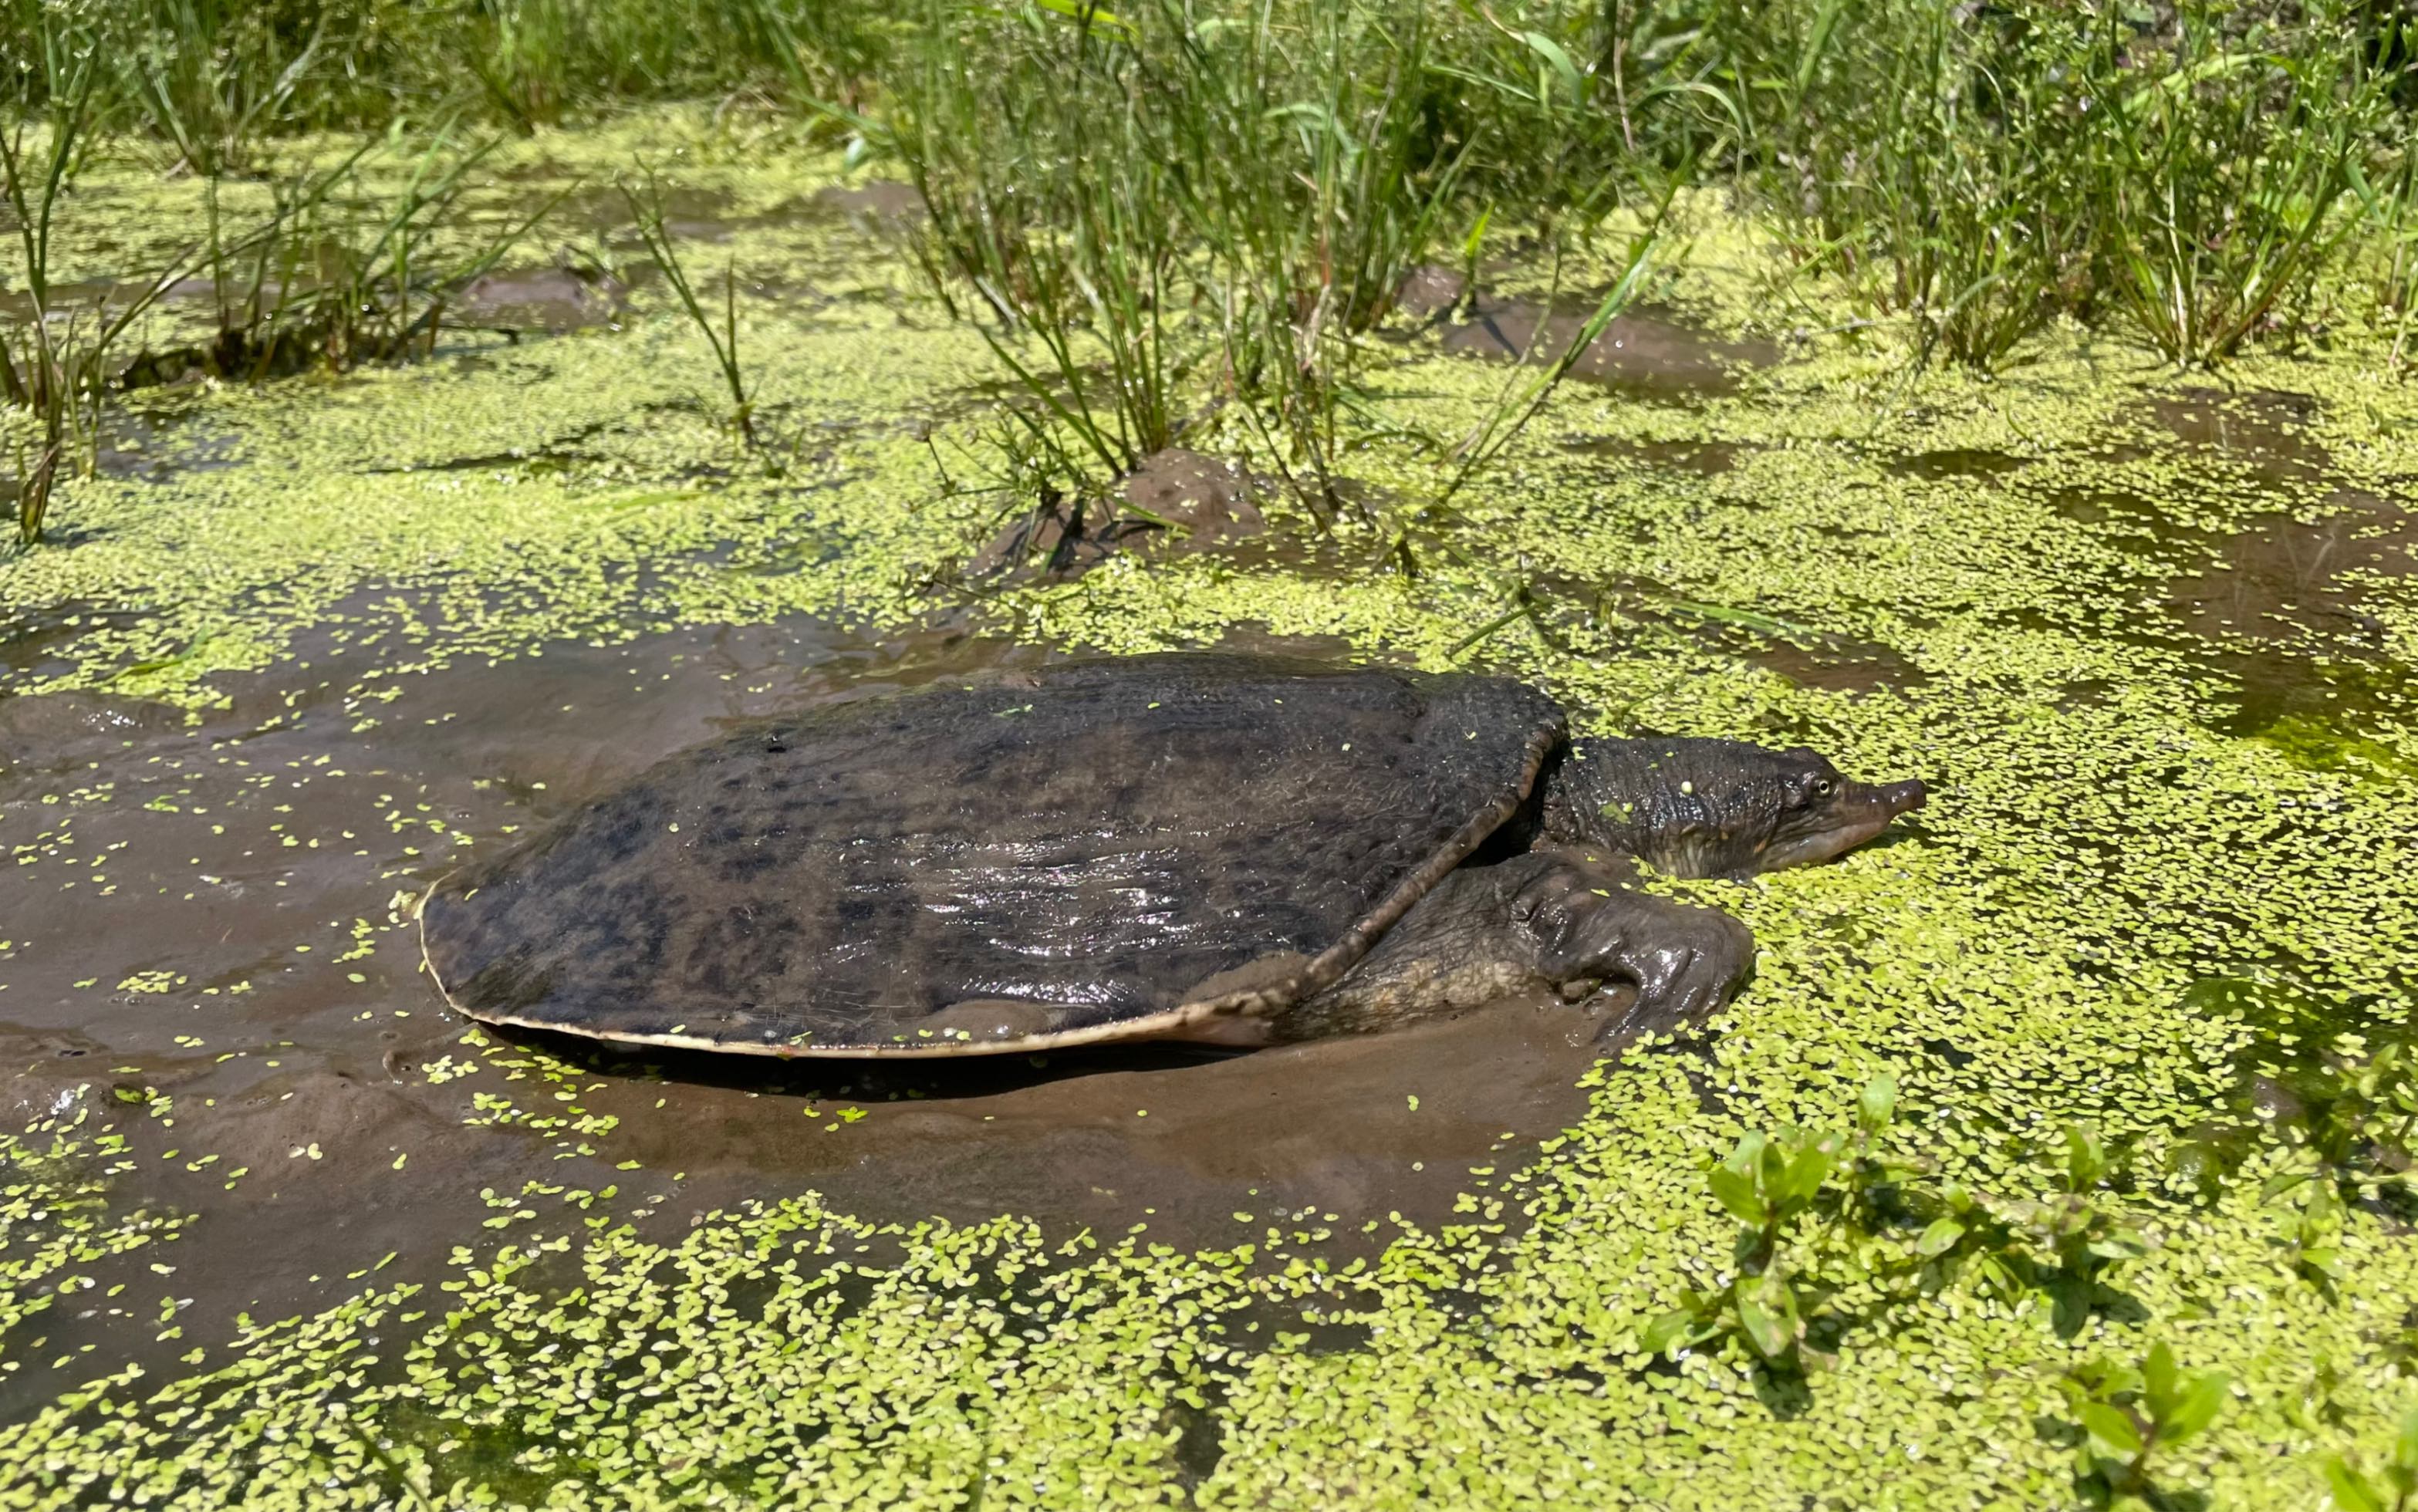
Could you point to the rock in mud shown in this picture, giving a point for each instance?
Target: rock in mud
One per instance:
(1177, 499)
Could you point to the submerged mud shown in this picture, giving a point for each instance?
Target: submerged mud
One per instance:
(1644, 352)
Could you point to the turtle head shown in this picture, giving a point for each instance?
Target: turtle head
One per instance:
(1720, 808)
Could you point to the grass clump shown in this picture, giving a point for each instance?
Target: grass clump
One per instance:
(211, 81)
(1052, 217)
(647, 210)
(1136, 192)
(2190, 169)
(1226, 197)
(341, 272)
(1325, 166)
(54, 364)
(1929, 160)
(539, 63)
(206, 78)
(1170, 217)
(2223, 168)
(345, 272)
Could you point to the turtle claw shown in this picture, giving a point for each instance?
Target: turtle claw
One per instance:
(1679, 984)
(1686, 961)
(1691, 962)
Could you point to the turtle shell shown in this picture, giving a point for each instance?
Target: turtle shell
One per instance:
(1099, 850)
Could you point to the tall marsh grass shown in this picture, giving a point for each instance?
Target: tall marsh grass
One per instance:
(1174, 214)
(2225, 164)
(345, 269)
(2185, 168)
(646, 204)
(1933, 161)
(1171, 210)
(542, 62)
(54, 362)
(1323, 163)
(1052, 221)
(206, 79)
(1144, 197)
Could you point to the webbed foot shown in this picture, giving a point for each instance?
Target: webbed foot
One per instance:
(1561, 919)
(1590, 923)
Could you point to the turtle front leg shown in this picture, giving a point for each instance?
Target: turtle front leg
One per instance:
(1593, 926)
(1560, 919)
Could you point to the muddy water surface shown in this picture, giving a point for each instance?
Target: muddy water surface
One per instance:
(2282, 606)
(208, 918)
(211, 918)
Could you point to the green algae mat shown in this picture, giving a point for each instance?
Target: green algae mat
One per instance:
(2109, 1035)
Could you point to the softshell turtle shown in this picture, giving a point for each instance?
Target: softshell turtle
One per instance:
(1237, 849)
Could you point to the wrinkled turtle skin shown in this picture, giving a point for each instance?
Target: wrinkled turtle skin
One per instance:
(1231, 849)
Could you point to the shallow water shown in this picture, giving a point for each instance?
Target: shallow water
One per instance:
(195, 934)
(1642, 352)
(2192, 585)
(234, 855)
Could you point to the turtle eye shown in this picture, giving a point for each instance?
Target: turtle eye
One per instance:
(1821, 787)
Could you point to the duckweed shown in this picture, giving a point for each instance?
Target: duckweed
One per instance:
(1972, 581)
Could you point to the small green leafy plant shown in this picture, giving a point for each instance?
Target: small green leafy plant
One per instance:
(2350, 1142)
(2394, 1487)
(1877, 1183)
(1767, 1184)
(2362, 1109)
(2311, 1225)
(2127, 1415)
(1770, 1182)
(2064, 1245)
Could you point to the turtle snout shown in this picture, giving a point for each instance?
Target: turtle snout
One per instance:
(1858, 813)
